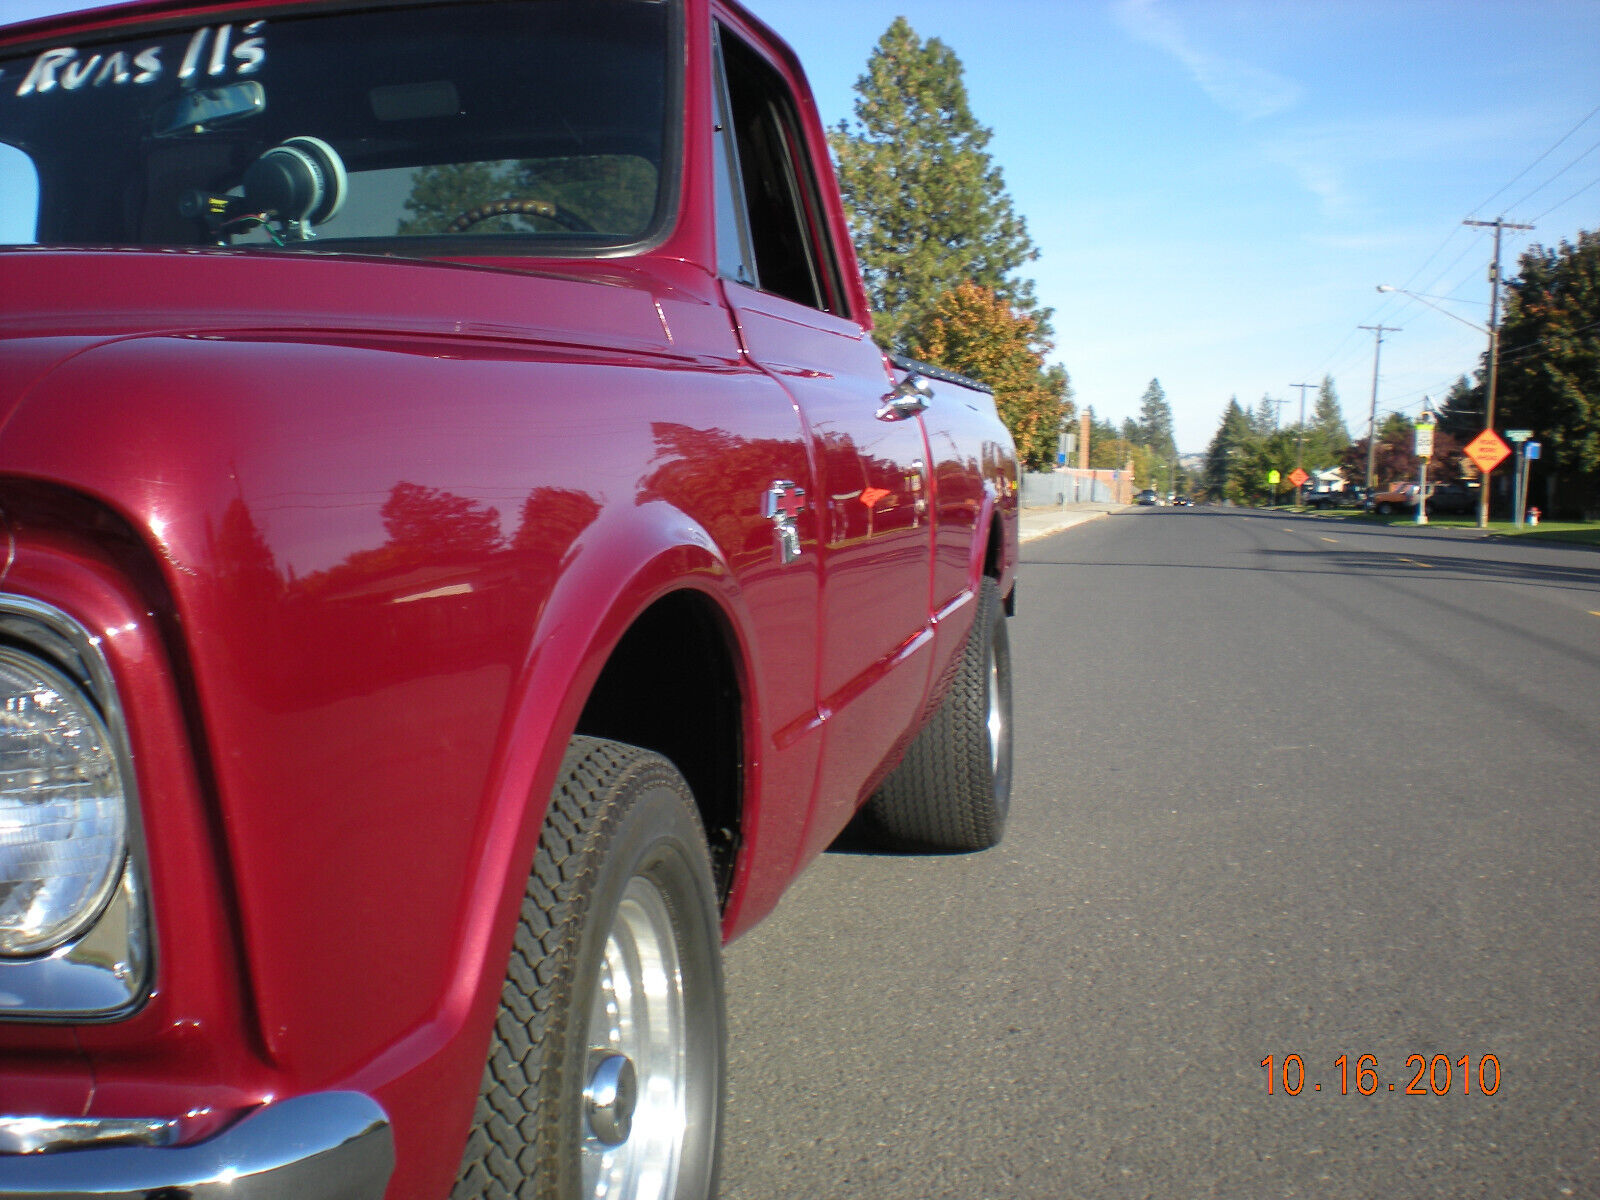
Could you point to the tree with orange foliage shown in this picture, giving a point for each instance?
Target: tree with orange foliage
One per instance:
(972, 330)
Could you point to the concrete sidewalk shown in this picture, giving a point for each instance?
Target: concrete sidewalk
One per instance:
(1040, 522)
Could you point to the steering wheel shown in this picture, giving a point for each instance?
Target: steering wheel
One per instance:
(564, 217)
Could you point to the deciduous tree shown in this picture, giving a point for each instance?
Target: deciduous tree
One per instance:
(972, 330)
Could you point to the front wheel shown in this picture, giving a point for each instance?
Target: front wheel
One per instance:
(606, 1065)
(952, 791)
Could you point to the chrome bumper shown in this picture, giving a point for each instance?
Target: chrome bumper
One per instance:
(327, 1146)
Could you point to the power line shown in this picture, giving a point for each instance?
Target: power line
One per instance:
(1338, 352)
(1556, 176)
(1508, 186)
(1568, 200)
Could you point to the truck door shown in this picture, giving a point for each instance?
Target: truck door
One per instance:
(873, 526)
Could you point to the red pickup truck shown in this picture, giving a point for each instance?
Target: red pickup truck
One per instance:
(454, 515)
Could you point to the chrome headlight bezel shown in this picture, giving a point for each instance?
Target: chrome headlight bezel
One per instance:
(100, 969)
(60, 792)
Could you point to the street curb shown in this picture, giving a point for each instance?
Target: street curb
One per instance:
(1037, 523)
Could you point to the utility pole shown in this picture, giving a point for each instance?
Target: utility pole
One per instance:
(1498, 224)
(1372, 417)
(1300, 440)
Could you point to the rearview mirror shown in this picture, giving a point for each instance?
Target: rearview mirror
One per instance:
(207, 108)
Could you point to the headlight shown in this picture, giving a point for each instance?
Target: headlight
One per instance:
(63, 816)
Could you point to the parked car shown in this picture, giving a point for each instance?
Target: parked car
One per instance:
(1397, 497)
(1344, 498)
(1181, 502)
(465, 554)
(1453, 498)
(1149, 498)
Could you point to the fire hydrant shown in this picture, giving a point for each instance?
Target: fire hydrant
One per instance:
(1533, 516)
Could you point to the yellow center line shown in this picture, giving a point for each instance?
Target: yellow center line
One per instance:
(1415, 563)
(1335, 541)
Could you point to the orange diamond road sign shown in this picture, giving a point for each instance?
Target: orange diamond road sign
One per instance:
(1297, 477)
(1487, 450)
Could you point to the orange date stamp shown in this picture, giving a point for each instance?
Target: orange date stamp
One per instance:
(1424, 1075)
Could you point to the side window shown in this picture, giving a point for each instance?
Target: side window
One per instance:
(734, 258)
(19, 197)
(781, 205)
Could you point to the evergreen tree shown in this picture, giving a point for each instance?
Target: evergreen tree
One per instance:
(927, 206)
(1232, 435)
(1255, 460)
(972, 330)
(1264, 420)
(1461, 413)
(1327, 437)
(1550, 365)
(1155, 422)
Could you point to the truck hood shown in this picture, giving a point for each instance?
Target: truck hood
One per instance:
(58, 303)
(614, 304)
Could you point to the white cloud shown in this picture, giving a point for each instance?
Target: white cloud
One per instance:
(1247, 91)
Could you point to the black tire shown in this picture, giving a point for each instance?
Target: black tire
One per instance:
(952, 791)
(622, 876)
(1385, 509)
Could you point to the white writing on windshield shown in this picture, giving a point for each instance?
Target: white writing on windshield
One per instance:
(211, 50)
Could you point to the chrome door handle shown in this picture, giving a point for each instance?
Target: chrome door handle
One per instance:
(910, 396)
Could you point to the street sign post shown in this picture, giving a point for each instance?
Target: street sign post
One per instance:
(1424, 441)
(1424, 451)
(1528, 451)
(1487, 451)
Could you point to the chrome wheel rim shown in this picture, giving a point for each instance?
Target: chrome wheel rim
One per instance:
(639, 1013)
(997, 717)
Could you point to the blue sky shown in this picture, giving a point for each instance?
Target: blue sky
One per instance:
(1217, 187)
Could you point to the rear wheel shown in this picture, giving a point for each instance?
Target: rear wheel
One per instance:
(952, 791)
(605, 1069)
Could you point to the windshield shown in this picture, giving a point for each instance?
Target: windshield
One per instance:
(513, 127)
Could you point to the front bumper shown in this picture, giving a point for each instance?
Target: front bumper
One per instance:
(325, 1146)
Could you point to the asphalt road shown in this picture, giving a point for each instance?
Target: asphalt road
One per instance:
(1284, 785)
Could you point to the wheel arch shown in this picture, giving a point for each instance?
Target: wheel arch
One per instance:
(641, 641)
(683, 653)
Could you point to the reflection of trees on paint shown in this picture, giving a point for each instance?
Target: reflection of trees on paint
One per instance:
(613, 193)
(433, 529)
(445, 577)
(428, 529)
(719, 478)
(435, 522)
(552, 519)
(243, 557)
